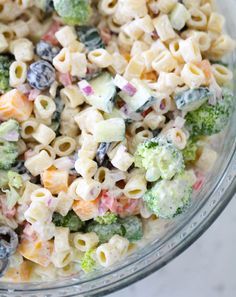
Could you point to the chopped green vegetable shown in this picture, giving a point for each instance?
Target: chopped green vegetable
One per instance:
(190, 151)
(211, 119)
(133, 228)
(88, 263)
(8, 154)
(73, 12)
(15, 179)
(3, 178)
(105, 232)
(12, 197)
(192, 99)
(5, 62)
(71, 221)
(169, 198)
(9, 131)
(107, 219)
(160, 158)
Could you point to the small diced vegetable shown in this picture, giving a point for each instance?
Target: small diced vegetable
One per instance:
(88, 263)
(107, 219)
(55, 180)
(71, 221)
(110, 130)
(133, 228)
(90, 37)
(5, 62)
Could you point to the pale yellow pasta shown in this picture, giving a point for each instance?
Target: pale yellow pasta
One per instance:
(62, 259)
(119, 63)
(88, 189)
(53, 89)
(72, 190)
(3, 43)
(78, 64)
(122, 160)
(64, 203)
(28, 128)
(192, 75)
(43, 134)
(167, 82)
(107, 254)
(142, 136)
(62, 62)
(154, 121)
(86, 167)
(203, 39)
(125, 41)
(7, 32)
(66, 35)
(61, 239)
(38, 163)
(85, 241)
(198, 19)
(38, 148)
(64, 146)
(146, 24)
(113, 26)
(165, 6)
(206, 160)
(87, 119)
(149, 56)
(23, 4)
(9, 11)
(37, 212)
(216, 22)
(88, 147)
(72, 96)
(177, 137)
(133, 29)
(174, 48)
(22, 49)
(21, 146)
(135, 187)
(44, 107)
(41, 195)
(100, 57)
(136, 127)
(107, 7)
(163, 27)
(164, 62)
(221, 46)
(190, 50)
(20, 28)
(69, 269)
(138, 48)
(222, 74)
(18, 73)
(190, 3)
(206, 9)
(121, 244)
(135, 68)
(68, 126)
(102, 175)
(29, 188)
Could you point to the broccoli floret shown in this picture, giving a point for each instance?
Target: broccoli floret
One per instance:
(160, 158)
(190, 151)
(5, 62)
(8, 154)
(15, 179)
(73, 12)
(88, 263)
(169, 198)
(105, 232)
(107, 219)
(9, 131)
(211, 119)
(71, 221)
(132, 228)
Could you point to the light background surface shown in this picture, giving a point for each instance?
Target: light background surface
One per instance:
(206, 269)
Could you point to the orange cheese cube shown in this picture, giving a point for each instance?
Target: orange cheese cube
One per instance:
(19, 274)
(55, 180)
(14, 105)
(36, 251)
(86, 210)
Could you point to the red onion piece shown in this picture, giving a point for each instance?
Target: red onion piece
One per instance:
(86, 88)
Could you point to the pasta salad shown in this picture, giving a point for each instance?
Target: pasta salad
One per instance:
(107, 109)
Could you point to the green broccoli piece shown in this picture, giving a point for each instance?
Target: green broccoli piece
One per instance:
(88, 263)
(5, 62)
(105, 232)
(8, 154)
(190, 151)
(107, 219)
(132, 228)
(10, 131)
(169, 198)
(160, 158)
(211, 119)
(15, 179)
(71, 221)
(73, 12)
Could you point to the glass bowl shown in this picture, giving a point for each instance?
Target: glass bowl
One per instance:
(174, 236)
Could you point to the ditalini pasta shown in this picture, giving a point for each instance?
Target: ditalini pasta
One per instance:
(105, 125)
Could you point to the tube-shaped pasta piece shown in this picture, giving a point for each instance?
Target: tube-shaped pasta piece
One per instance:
(62, 259)
(44, 107)
(163, 27)
(88, 189)
(62, 61)
(64, 203)
(22, 49)
(66, 35)
(85, 241)
(107, 254)
(28, 128)
(38, 148)
(164, 62)
(61, 239)
(44, 134)
(121, 244)
(222, 74)
(18, 73)
(135, 187)
(177, 137)
(192, 75)
(38, 163)
(107, 7)
(206, 159)
(86, 167)
(64, 146)
(198, 19)
(14, 104)
(72, 96)
(100, 57)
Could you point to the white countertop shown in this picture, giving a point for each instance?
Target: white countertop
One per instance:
(206, 269)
